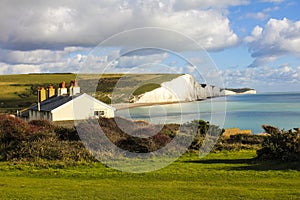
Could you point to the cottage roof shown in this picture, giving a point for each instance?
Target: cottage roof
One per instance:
(54, 102)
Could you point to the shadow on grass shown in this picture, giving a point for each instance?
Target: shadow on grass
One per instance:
(251, 164)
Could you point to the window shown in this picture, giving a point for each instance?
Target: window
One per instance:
(99, 113)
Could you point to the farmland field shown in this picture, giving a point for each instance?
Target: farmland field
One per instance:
(222, 175)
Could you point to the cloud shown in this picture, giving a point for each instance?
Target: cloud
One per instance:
(204, 4)
(281, 78)
(31, 25)
(275, 39)
(258, 15)
(136, 60)
(30, 57)
(73, 59)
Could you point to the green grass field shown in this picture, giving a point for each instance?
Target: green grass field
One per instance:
(16, 90)
(223, 175)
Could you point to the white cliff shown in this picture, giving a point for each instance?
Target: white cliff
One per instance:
(250, 92)
(229, 92)
(216, 91)
(182, 88)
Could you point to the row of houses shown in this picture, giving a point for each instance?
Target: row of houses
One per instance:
(66, 103)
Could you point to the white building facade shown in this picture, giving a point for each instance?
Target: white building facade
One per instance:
(70, 106)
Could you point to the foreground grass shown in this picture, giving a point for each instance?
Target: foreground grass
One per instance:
(223, 175)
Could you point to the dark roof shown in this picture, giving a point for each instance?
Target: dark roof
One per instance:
(25, 114)
(54, 102)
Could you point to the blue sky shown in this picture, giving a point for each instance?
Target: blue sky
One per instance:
(252, 43)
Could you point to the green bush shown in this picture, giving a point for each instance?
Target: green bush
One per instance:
(201, 130)
(280, 144)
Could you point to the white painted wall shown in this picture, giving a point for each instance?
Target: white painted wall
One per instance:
(82, 107)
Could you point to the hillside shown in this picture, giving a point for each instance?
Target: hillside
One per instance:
(19, 91)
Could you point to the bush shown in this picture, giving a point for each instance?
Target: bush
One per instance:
(36, 141)
(12, 132)
(280, 145)
(201, 130)
(68, 134)
(44, 124)
(245, 139)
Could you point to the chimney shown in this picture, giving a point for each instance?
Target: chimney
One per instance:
(62, 89)
(41, 94)
(71, 88)
(50, 91)
(74, 88)
(76, 83)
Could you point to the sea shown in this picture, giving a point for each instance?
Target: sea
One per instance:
(249, 112)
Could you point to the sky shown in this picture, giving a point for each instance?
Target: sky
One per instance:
(245, 43)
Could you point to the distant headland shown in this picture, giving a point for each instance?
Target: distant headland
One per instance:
(234, 91)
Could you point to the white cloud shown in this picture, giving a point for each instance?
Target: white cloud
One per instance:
(258, 15)
(56, 24)
(19, 69)
(282, 78)
(70, 61)
(277, 38)
(132, 61)
(271, 9)
(212, 36)
(55, 36)
(30, 57)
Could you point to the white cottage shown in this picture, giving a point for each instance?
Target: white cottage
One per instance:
(69, 106)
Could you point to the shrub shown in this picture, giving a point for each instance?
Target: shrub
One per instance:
(200, 130)
(280, 145)
(135, 144)
(45, 124)
(245, 139)
(36, 140)
(68, 134)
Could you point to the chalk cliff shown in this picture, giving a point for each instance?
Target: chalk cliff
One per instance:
(182, 88)
(229, 92)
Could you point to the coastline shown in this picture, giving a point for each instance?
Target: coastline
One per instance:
(122, 106)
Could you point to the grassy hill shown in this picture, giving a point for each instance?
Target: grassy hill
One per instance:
(20, 91)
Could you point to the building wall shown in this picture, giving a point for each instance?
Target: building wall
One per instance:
(80, 108)
(35, 115)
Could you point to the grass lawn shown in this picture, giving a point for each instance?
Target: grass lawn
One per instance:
(223, 175)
